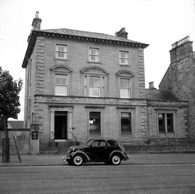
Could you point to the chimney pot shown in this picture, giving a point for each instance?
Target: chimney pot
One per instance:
(36, 23)
(151, 85)
(37, 14)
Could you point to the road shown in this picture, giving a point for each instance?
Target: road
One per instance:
(99, 179)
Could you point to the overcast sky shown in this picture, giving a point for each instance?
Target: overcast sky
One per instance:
(158, 23)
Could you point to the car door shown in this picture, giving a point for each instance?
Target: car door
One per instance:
(112, 146)
(97, 150)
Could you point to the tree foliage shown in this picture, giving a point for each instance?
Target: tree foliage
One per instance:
(9, 95)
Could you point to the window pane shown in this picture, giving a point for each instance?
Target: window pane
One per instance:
(124, 83)
(112, 143)
(94, 92)
(123, 57)
(61, 90)
(61, 80)
(161, 122)
(94, 86)
(124, 93)
(124, 88)
(91, 81)
(102, 143)
(61, 85)
(170, 123)
(61, 51)
(125, 123)
(95, 143)
(58, 80)
(97, 82)
(94, 124)
(94, 54)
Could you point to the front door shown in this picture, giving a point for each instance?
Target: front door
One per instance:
(60, 132)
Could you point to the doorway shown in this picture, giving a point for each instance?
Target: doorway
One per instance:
(60, 132)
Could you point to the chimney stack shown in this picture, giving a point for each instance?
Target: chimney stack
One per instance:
(36, 24)
(122, 33)
(180, 49)
(151, 85)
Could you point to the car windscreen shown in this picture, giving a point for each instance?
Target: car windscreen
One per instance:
(88, 143)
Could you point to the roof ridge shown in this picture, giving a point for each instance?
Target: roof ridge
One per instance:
(75, 30)
(87, 33)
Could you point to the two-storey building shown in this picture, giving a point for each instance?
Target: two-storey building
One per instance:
(85, 84)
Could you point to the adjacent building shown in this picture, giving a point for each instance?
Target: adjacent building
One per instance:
(180, 77)
(83, 84)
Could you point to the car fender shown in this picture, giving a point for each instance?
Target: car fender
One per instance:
(117, 152)
(82, 153)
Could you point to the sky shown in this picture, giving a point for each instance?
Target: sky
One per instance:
(158, 23)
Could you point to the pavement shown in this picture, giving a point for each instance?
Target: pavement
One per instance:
(134, 159)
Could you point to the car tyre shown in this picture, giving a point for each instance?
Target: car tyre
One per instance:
(115, 159)
(78, 160)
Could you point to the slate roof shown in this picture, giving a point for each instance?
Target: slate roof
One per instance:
(88, 34)
(161, 95)
(16, 124)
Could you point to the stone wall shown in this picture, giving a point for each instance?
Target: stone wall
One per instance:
(180, 111)
(179, 78)
(22, 137)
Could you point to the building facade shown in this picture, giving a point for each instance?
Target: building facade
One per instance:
(83, 84)
(180, 75)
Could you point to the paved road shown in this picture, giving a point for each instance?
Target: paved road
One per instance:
(99, 179)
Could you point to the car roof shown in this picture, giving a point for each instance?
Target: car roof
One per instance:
(103, 138)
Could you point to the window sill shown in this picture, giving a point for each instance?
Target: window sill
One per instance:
(60, 59)
(125, 98)
(123, 64)
(94, 62)
(123, 136)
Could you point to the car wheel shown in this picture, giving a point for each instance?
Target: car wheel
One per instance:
(116, 160)
(77, 160)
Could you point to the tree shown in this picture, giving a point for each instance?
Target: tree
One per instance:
(9, 102)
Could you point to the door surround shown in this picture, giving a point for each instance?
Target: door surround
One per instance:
(69, 111)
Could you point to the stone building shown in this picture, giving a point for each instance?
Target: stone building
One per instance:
(84, 84)
(180, 77)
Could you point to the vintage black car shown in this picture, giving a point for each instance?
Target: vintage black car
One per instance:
(104, 150)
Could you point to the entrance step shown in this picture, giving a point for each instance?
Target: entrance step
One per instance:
(49, 148)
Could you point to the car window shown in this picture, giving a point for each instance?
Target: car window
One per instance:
(112, 143)
(102, 143)
(98, 143)
(95, 143)
(88, 142)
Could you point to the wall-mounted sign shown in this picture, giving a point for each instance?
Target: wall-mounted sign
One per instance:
(35, 135)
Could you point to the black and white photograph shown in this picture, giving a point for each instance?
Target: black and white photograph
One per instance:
(97, 96)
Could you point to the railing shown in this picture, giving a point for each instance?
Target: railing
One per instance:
(77, 143)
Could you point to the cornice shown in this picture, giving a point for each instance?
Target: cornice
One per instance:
(90, 39)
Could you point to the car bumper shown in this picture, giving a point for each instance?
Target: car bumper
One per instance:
(126, 158)
(65, 158)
